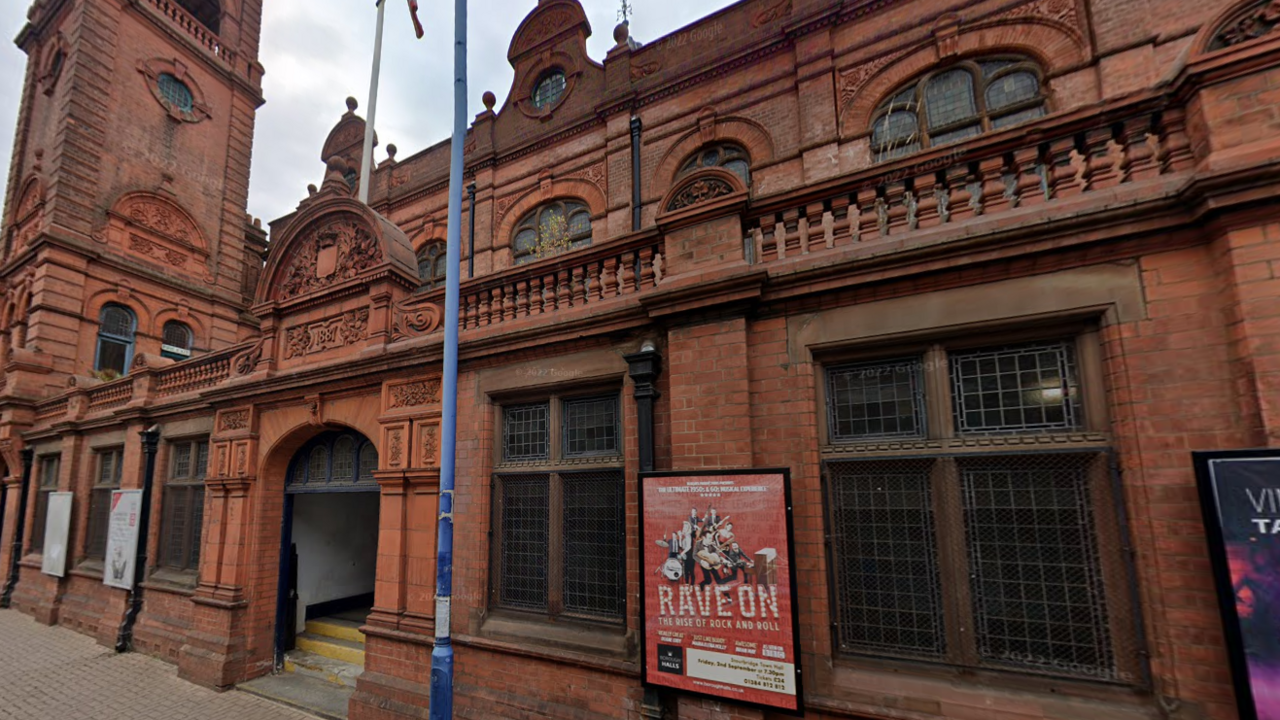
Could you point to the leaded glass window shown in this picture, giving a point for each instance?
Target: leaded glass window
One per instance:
(551, 229)
(176, 92)
(334, 461)
(432, 265)
(116, 328)
(730, 156)
(957, 102)
(549, 89)
(175, 341)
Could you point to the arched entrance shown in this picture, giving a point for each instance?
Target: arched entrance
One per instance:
(329, 547)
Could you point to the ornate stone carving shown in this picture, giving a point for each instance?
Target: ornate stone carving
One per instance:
(772, 12)
(244, 363)
(544, 27)
(1259, 20)
(31, 197)
(851, 81)
(594, 174)
(395, 448)
(327, 253)
(642, 71)
(1059, 11)
(234, 420)
(335, 332)
(160, 218)
(699, 191)
(242, 460)
(414, 393)
(143, 246)
(414, 317)
(221, 470)
(504, 204)
(430, 443)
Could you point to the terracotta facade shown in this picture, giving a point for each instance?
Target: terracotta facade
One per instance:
(1127, 216)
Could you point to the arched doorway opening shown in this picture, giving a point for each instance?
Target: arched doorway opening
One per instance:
(329, 548)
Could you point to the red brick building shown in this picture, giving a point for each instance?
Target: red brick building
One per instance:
(981, 274)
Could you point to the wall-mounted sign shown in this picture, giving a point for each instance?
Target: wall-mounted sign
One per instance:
(57, 526)
(1240, 495)
(719, 586)
(122, 538)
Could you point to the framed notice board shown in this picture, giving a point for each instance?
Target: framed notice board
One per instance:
(718, 586)
(1240, 497)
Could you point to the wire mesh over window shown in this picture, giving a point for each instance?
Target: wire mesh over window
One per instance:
(591, 426)
(176, 92)
(525, 432)
(594, 544)
(884, 547)
(1036, 579)
(525, 512)
(49, 465)
(869, 400)
(106, 480)
(1016, 389)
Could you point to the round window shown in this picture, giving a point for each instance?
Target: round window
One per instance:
(176, 92)
(549, 89)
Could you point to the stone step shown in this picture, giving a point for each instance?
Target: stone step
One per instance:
(321, 667)
(334, 648)
(336, 627)
(318, 697)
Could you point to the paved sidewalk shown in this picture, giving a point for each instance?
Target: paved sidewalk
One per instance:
(57, 674)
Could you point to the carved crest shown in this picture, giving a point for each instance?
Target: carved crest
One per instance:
(329, 252)
(699, 191)
(245, 362)
(1254, 22)
(414, 393)
(771, 12)
(234, 420)
(544, 27)
(345, 329)
(639, 72)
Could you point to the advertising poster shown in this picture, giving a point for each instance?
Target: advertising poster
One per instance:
(122, 538)
(718, 577)
(1240, 492)
(57, 525)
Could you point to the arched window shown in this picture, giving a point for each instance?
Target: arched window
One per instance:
(957, 102)
(334, 461)
(730, 156)
(431, 264)
(206, 12)
(116, 328)
(550, 230)
(175, 341)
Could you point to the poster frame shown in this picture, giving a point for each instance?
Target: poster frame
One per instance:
(131, 547)
(1202, 461)
(791, 576)
(66, 536)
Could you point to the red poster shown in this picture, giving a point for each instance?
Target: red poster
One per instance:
(719, 614)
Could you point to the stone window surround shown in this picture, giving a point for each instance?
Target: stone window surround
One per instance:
(151, 70)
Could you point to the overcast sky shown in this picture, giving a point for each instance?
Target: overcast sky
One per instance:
(318, 52)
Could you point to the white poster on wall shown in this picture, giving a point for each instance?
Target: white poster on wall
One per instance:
(57, 525)
(122, 538)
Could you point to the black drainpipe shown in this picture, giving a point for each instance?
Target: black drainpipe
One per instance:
(635, 172)
(28, 455)
(643, 367)
(471, 243)
(150, 440)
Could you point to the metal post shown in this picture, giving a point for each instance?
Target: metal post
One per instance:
(20, 523)
(366, 159)
(635, 172)
(471, 242)
(442, 653)
(150, 441)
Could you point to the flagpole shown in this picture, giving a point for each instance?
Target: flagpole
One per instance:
(442, 653)
(366, 158)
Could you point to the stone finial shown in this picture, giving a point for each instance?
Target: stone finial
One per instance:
(489, 100)
(352, 104)
(311, 189)
(391, 151)
(621, 32)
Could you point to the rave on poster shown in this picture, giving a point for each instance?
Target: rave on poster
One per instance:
(718, 586)
(1241, 496)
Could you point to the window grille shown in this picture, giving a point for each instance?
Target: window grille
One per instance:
(882, 399)
(49, 466)
(175, 341)
(525, 515)
(549, 89)
(176, 92)
(524, 432)
(106, 481)
(1020, 388)
(334, 461)
(182, 515)
(591, 427)
(594, 543)
(956, 102)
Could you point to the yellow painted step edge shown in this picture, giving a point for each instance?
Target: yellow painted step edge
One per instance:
(334, 630)
(331, 650)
